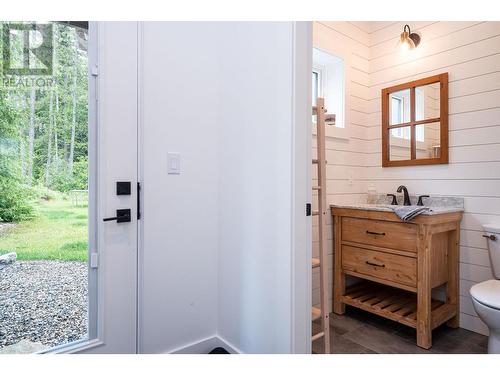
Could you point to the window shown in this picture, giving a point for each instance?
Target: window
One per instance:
(328, 81)
(316, 86)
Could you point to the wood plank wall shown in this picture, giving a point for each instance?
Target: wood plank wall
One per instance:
(470, 52)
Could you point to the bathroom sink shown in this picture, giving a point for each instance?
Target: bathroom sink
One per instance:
(390, 208)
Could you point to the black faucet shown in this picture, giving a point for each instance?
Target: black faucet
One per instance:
(394, 200)
(405, 192)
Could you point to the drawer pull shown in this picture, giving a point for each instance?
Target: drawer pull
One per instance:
(375, 264)
(375, 233)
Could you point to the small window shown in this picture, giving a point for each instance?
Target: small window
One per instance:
(316, 86)
(328, 81)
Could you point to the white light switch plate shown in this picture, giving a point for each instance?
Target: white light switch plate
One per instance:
(173, 163)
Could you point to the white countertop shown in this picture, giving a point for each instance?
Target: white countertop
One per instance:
(388, 208)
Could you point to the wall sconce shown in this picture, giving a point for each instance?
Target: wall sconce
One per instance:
(409, 40)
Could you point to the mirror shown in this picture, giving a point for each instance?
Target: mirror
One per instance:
(399, 143)
(427, 101)
(399, 107)
(428, 139)
(415, 122)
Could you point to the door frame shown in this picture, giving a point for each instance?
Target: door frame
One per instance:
(301, 272)
(93, 274)
(112, 302)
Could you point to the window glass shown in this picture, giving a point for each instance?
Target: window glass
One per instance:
(330, 83)
(315, 86)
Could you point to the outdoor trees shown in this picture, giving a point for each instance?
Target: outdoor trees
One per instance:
(14, 196)
(43, 130)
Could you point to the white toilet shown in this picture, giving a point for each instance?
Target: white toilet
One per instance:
(486, 295)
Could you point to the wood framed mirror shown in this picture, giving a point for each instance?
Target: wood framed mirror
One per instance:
(415, 122)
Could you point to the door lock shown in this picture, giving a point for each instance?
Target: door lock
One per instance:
(122, 216)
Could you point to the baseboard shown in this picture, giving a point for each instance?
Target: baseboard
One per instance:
(206, 345)
(228, 346)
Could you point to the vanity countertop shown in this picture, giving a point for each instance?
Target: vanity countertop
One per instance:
(388, 208)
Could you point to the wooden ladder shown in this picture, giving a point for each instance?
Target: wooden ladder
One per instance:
(322, 261)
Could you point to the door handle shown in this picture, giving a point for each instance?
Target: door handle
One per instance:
(122, 216)
(138, 201)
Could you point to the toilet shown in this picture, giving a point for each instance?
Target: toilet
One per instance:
(486, 295)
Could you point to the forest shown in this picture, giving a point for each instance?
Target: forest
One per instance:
(43, 130)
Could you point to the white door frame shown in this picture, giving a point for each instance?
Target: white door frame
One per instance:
(112, 158)
(301, 192)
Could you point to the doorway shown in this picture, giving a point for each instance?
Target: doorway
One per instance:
(44, 189)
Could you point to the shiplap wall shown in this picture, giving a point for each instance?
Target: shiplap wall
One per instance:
(346, 168)
(470, 53)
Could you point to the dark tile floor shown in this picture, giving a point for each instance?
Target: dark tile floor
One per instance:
(359, 332)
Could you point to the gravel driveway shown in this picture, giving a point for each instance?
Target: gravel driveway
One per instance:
(43, 302)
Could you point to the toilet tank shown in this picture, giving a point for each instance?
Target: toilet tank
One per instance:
(493, 230)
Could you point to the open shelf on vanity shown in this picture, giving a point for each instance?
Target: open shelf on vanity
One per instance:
(393, 303)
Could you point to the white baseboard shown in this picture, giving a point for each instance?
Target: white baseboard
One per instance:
(228, 346)
(205, 345)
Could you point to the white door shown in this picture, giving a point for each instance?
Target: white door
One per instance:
(113, 245)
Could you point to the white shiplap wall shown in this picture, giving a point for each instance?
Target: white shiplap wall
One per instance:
(470, 53)
(346, 168)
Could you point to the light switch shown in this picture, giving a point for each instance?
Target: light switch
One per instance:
(174, 163)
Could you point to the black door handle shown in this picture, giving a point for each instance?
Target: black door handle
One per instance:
(122, 216)
(138, 201)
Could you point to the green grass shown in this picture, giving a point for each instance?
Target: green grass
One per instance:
(58, 232)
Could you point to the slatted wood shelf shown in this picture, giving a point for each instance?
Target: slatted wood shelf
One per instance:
(393, 303)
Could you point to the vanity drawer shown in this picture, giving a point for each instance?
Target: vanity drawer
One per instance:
(396, 268)
(400, 236)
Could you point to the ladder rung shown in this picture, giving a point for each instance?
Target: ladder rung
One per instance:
(318, 336)
(315, 313)
(315, 262)
(316, 187)
(315, 213)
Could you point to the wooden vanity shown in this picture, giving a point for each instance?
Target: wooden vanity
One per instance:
(399, 264)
